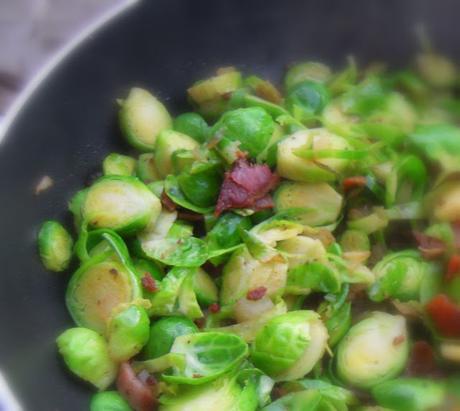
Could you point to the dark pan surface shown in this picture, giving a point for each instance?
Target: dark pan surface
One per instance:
(68, 125)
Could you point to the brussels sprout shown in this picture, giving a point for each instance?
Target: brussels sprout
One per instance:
(76, 205)
(121, 203)
(399, 275)
(193, 125)
(313, 276)
(142, 117)
(163, 332)
(207, 355)
(243, 273)
(371, 223)
(365, 97)
(310, 70)
(373, 351)
(314, 204)
(289, 346)
(205, 288)
(55, 246)
(443, 203)
(86, 354)
(222, 395)
(201, 183)
(118, 165)
(307, 99)
(146, 169)
(168, 142)
(214, 88)
(249, 328)
(251, 127)
(296, 401)
(108, 401)
(354, 241)
(98, 287)
(316, 141)
(410, 394)
(128, 331)
(301, 249)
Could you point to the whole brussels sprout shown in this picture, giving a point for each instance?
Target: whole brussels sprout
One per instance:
(86, 354)
(373, 351)
(289, 346)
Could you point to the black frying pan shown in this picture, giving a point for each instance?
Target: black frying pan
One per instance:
(68, 125)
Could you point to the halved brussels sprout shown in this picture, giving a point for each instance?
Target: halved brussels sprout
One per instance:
(313, 204)
(313, 276)
(97, 288)
(142, 117)
(289, 346)
(221, 395)
(108, 401)
(251, 128)
(243, 273)
(307, 99)
(75, 206)
(54, 246)
(121, 203)
(205, 288)
(325, 163)
(193, 125)
(127, 332)
(354, 241)
(400, 275)
(297, 401)
(146, 169)
(86, 354)
(310, 70)
(410, 394)
(207, 356)
(163, 332)
(118, 165)
(301, 249)
(168, 142)
(373, 351)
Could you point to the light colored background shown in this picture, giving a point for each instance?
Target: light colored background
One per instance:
(32, 30)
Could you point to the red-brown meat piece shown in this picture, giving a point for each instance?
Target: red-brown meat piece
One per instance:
(246, 186)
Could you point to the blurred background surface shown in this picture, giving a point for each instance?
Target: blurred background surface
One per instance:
(32, 30)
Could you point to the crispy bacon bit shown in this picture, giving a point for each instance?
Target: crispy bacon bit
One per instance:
(214, 308)
(256, 293)
(139, 395)
(445, 315)
(350, 183)
(167, 202)
(398, 340)
(453, 268)
(149, 283)
(430, 247)
(422, 360)
(246, 186)
(189, 216)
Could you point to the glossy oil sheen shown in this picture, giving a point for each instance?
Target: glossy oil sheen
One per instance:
(68, 126)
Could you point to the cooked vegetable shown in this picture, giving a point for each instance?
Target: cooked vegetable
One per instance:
(121, 203)
(86, 354)
(142, 118)
(118, 165)
(163, 333)
(289, 346)
(97, 288)
(108, 401)
(312, 204)
(409, 394)
(247, 238)
(55, 246)
(128, 331)
(373, 351)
